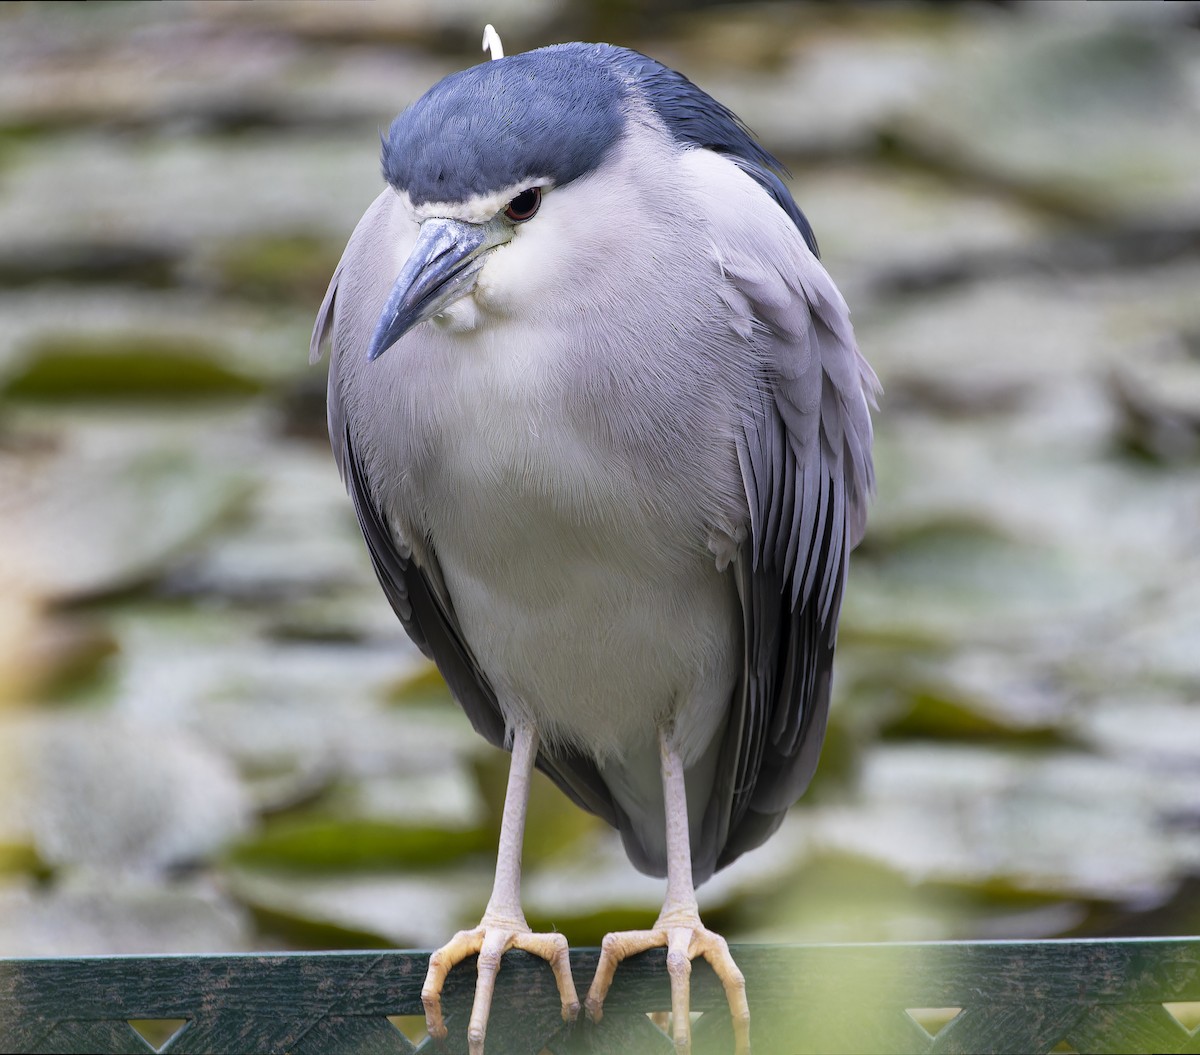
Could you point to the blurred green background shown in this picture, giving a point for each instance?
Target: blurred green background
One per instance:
(213, 734)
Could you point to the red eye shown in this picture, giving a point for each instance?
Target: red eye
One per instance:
(524, 205)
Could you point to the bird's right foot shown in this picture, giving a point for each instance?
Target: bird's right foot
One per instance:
(491, 940)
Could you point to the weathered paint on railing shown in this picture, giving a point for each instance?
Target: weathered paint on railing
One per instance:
(1084, 996)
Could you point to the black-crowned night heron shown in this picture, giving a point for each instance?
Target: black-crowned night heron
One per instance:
(608, 439)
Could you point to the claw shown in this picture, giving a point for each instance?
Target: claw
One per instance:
(503, 926)
(491, 940)
(684, 940)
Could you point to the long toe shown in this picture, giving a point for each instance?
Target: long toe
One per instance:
(684, 940)
(491, 941)
(715, 950)
(617, 946)
(465, 943)
(554, 950)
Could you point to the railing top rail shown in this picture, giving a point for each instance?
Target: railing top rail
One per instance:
(1091, 995)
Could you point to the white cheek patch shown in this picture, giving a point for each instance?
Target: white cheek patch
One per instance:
(505, 276)
(460, 317)
(515, 272)
(485, 285)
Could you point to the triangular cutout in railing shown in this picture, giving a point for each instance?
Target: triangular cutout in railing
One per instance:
(933, 1019)
(1185, 1012)
(662, 1019)
(157, 1031)
(412, 1026)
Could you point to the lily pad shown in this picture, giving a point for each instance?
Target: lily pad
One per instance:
(102, 512)
(295, 541)
(121, 367)
(877, 226)
(1058, 823)
(166, 800)
(342, 844)
(979, 693)
(1158, 399)
(862, 79)
(425, 683)
(87, 916)
(834, 897)
(277, 267)
(411, 910)
(242, 347)
(386, 821)
(956, 586)
(1102, 113)
(1161, 729)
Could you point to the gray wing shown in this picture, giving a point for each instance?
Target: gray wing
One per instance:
(415, 589)
(805, 458)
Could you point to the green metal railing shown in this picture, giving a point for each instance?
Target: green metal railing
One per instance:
(1044, 996)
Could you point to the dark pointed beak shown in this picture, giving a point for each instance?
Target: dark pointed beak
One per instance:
(442, 268)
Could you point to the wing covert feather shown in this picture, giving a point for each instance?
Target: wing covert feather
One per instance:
(805, 457)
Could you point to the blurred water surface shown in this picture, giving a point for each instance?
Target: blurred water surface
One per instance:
(213, 734)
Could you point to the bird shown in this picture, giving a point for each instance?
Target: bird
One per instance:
(607, 431)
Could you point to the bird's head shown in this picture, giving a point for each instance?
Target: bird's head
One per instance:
(510, 166)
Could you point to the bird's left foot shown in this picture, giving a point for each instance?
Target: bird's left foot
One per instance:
(491, 940)
(684, 937)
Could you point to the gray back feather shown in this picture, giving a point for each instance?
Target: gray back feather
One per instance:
(805, 457)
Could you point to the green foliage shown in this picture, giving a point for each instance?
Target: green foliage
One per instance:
(126, 366)
(278, 267)
(330, 844)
